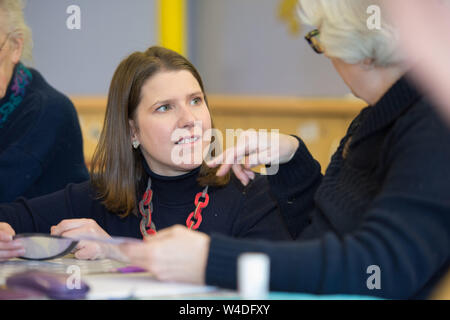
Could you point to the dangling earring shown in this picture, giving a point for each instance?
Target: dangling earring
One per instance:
(136, 144)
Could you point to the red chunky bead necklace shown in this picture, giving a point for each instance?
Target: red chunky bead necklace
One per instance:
(193, 221)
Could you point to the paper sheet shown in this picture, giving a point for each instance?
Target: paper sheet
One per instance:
(139, 285)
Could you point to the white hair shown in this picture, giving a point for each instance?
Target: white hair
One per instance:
(12, 22)
(345, 34)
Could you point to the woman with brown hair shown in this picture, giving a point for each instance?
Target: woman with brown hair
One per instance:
(147, 172)
(378, 221)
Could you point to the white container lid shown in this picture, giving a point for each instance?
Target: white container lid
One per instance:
(253, 276)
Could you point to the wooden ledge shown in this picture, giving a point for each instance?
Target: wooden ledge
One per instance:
(256, 105)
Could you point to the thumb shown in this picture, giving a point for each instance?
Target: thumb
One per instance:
(90, 251)
(6, 229)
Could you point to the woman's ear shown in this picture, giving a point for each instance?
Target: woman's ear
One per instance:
(368, 63)
(16, 48)
(133, 133)
(133, 129)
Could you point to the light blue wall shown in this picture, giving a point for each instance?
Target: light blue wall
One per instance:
(239, 46)
(83, 61)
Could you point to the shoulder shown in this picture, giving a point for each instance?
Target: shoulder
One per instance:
(80, 190)
(421, 124)
(418, 145)
(77, 197)
(83, 196)
(49, 100)
(47, 112)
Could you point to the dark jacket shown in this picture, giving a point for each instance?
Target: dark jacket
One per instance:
(233, 210)
(382, 205)
(41, 148)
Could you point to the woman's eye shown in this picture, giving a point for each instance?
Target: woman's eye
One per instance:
(196, 101)
(163, 108)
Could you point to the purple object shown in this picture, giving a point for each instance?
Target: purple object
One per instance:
(53, 285)
(19, 294)
(130, 269)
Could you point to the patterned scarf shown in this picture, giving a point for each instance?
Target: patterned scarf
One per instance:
(20, 80)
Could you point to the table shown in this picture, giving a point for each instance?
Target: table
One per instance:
(106, 282)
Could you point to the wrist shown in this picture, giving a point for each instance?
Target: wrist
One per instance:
(294, 144)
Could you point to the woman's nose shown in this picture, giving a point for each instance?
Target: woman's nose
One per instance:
(186, 118)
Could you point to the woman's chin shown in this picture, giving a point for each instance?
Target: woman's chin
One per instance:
(188, 167)
(173, 170)
(188, 158)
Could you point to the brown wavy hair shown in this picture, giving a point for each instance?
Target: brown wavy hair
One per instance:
(116, 168)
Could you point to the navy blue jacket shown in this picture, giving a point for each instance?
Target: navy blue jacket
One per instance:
(41, 148)
(383, 204)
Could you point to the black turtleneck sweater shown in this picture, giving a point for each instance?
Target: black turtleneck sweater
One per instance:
(233, 210)
(381, 211)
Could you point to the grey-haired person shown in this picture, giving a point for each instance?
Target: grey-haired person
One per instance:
(383, 204)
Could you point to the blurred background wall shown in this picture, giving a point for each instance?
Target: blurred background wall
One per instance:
(82, 62)
(256, 73)
(239, 46)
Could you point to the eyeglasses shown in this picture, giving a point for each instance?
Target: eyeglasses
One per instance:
(4, 42)
(313, 39)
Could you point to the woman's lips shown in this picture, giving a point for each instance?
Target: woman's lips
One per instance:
(188, 140)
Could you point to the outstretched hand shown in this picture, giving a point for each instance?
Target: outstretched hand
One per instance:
(172, 254)
(85, 250)
(253, 149)
(9, 248)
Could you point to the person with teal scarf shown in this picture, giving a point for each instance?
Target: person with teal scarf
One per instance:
(41, 148)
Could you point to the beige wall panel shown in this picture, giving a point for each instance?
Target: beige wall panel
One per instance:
(321, 123)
